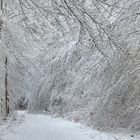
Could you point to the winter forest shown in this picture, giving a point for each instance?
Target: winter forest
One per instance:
(69, 69)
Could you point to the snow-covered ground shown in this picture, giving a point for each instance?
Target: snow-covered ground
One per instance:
(24, 126)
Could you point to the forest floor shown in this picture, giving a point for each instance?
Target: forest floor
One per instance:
(24, 126)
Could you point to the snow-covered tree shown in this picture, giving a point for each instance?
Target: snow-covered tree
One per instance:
(74, 58)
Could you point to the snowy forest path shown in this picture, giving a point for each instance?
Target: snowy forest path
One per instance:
(24, 126)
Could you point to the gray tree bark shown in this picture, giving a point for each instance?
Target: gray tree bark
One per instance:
(6, 88)
(1, 4)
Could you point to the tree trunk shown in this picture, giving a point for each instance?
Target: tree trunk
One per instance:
(6, 69)
(6, 88)
(1, 4)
